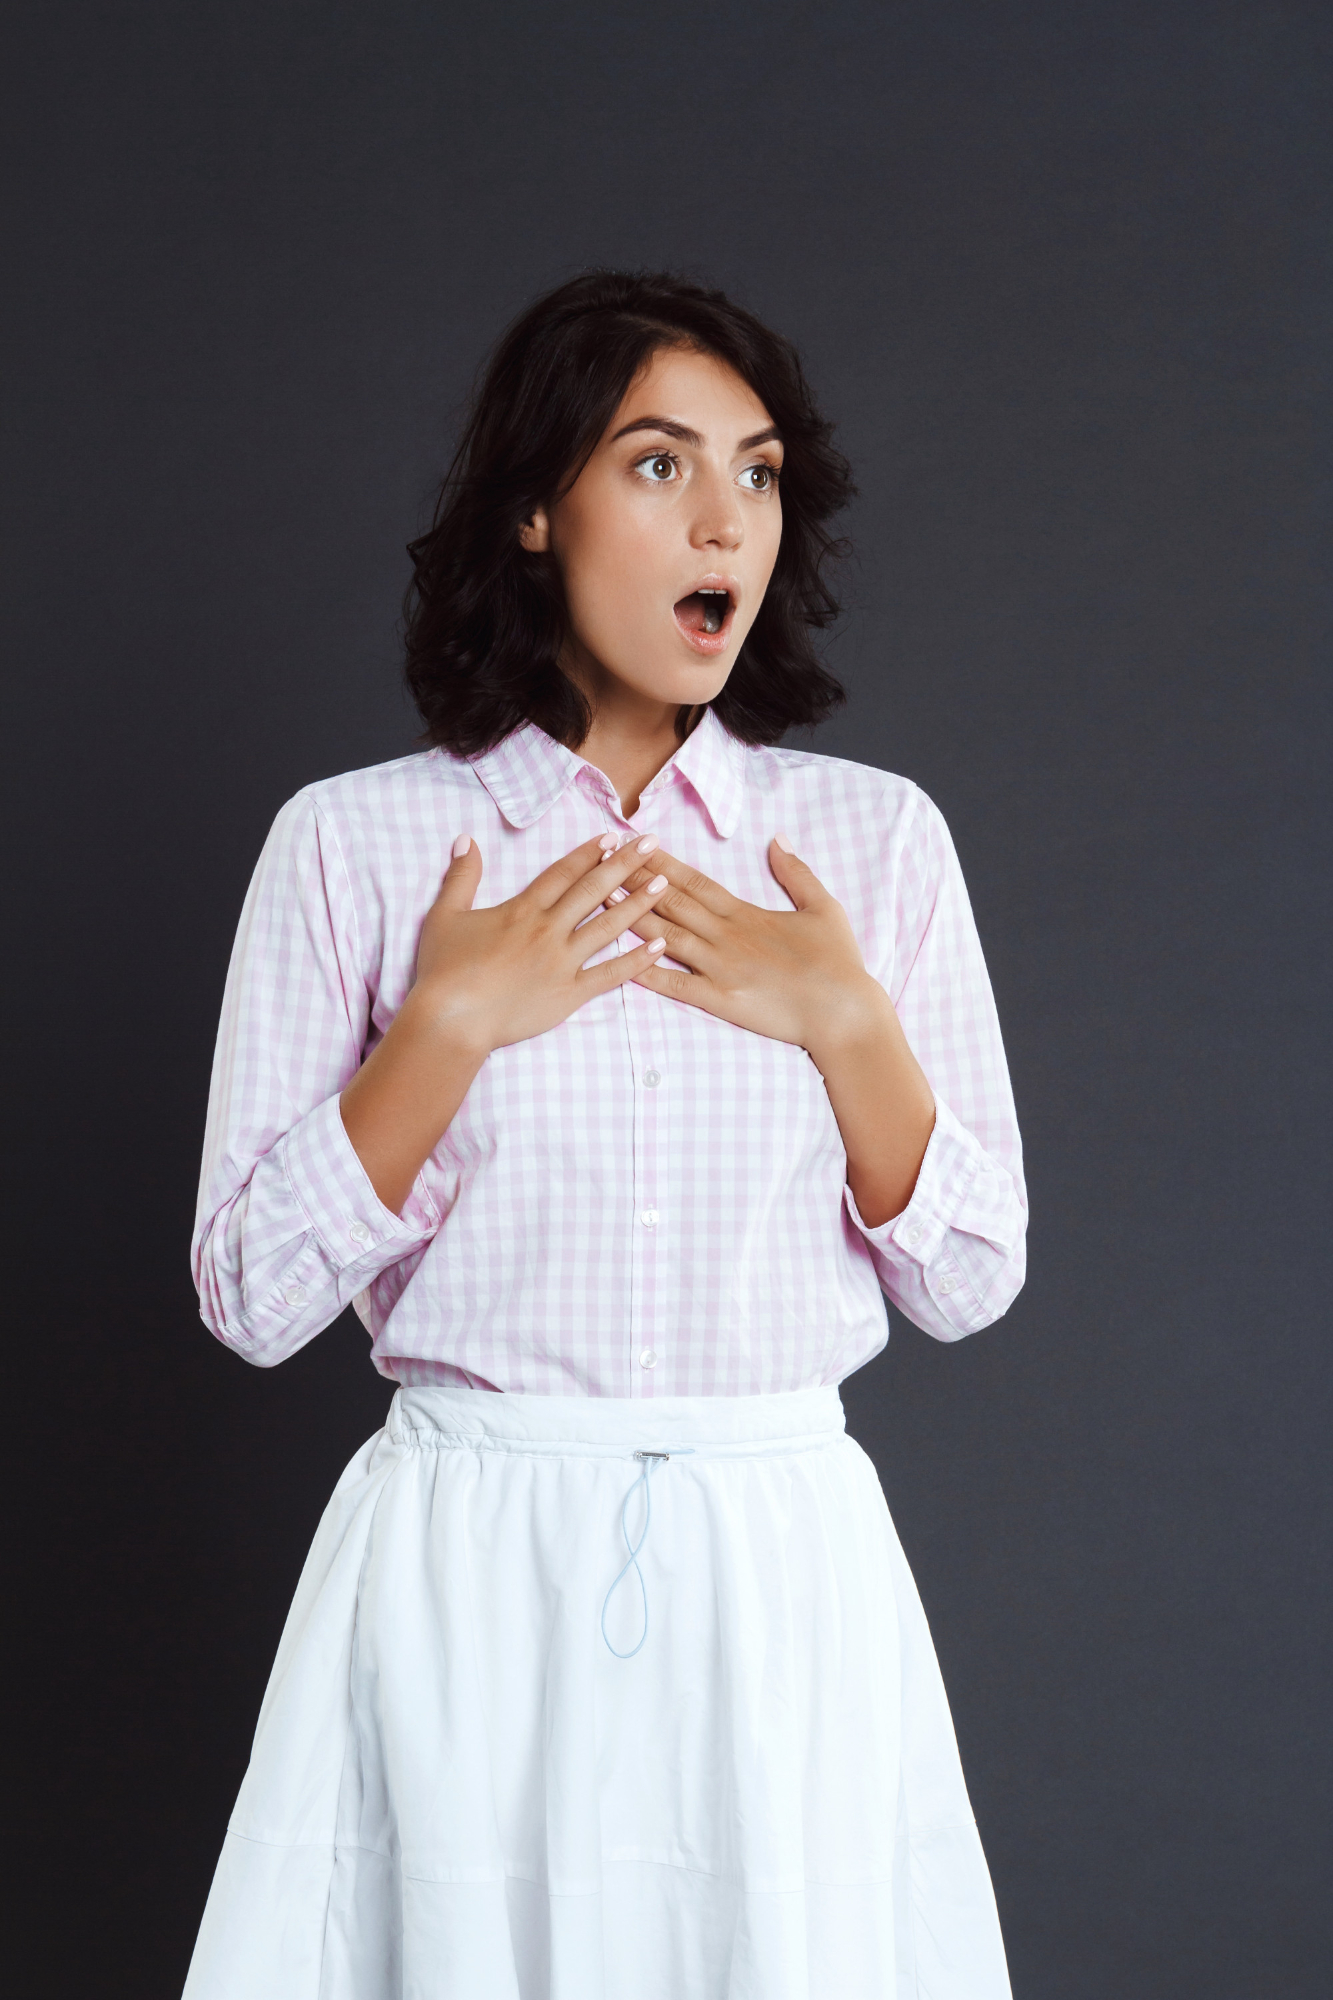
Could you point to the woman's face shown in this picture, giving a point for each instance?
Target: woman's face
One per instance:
(666, 541)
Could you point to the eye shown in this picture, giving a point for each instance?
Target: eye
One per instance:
(659, 468)
(761, 478)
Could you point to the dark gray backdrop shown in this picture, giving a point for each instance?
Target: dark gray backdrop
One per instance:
(1061, 273)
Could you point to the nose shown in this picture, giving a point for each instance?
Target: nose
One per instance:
(718, 522)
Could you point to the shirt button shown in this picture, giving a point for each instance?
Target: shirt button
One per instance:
(359, 1233)
(296, 1295)
(914, 1235)
(651, 1078)
(648, 1359)
(649, 1218)
(948, 1284)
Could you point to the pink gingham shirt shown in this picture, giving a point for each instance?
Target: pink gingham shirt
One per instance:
(644, 1200)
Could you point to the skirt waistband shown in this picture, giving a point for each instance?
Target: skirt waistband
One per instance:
(614, 1426)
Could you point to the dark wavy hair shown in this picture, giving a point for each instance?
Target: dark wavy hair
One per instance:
(486, 620)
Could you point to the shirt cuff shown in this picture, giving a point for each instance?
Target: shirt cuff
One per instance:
(335, 1194)
(939, 1200)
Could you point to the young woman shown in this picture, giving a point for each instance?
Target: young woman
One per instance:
(606, 1678)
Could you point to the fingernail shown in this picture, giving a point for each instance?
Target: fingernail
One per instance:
(656, 886)
(647, 844)
(461, 846)
(655, 945)
(781, 840)
(609, 842)
(617, 896)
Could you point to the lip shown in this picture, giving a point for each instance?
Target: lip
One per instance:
(709, 644)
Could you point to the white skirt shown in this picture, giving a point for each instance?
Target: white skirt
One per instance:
(471, 1781)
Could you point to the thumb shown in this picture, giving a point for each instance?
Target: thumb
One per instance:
(797, 878)
(463, 876)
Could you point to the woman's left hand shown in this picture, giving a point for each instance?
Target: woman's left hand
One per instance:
(798, 976)
(794, 975)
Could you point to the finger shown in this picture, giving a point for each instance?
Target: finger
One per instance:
(680, 907)
(607, 873)
(617, 971)
(684, 945)
(694, 883)
(463, 876)
(796, 876)
(547, 888)
(627, 914)
(691, 987)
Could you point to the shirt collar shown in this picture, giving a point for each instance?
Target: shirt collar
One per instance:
(529, 771)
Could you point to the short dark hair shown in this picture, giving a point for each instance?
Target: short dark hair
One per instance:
(486, 620)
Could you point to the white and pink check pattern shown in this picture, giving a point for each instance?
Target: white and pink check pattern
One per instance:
(645, 1200)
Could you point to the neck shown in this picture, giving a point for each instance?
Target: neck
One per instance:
(631, 737)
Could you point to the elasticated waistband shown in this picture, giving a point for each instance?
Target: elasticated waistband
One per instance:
(614, 1426)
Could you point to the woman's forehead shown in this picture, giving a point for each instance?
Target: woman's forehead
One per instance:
(694, 390)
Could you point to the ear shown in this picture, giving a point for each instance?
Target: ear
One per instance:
(535, 534)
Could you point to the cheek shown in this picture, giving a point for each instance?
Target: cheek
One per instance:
(611, 570)
(771, 538)
(763, 539)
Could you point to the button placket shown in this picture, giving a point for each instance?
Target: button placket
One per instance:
(649, 1216)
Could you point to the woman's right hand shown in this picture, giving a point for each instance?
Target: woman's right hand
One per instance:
(486, 978)
(500, 975)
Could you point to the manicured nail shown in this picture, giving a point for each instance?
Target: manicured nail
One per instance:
(461, 846)
(617, 895)
(656, 886)
(608, 843)
(781, 840)
(647, 844)
(655, 945)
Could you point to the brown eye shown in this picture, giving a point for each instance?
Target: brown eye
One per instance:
(662, 468)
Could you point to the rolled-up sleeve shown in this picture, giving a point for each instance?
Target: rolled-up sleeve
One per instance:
(955, 1259)
(289, 1228)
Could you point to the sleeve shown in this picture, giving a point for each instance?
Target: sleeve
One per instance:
(955, 1259)
(289, 1228)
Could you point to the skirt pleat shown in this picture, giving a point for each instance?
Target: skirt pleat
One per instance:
(459, 1792)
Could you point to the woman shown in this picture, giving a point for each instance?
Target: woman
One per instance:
(606, 1677)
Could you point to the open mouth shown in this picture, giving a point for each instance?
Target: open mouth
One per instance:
(704, 614)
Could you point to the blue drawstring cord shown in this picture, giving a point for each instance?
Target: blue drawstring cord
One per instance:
(650, 1461)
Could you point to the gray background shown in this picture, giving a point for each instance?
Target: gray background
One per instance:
(1061, 273)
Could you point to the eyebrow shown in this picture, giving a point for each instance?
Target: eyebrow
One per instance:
(685, 435)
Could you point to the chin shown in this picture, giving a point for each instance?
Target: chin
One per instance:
(688, 684)
(689, 692)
